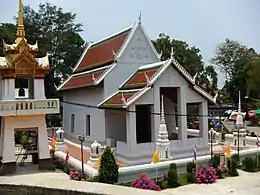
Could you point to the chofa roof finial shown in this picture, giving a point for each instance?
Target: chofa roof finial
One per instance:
(140, 18)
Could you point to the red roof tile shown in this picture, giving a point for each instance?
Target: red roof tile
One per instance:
(101, 53)
(82, 80)
(138, 80)
(116, 100)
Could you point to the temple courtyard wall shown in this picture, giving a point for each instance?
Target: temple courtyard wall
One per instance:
(128, 173)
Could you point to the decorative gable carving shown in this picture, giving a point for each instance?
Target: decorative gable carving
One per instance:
(24, 67)
(139, 51)
(138, 48)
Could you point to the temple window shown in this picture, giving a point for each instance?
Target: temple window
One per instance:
(24, 87)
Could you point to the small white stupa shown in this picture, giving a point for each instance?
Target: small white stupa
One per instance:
(163, 143)
(239, 133)
(95, 153)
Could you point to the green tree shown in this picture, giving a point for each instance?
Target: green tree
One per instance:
(57, 34)
(234, 60)
(189, 57)
(254, 77)
(108, 171)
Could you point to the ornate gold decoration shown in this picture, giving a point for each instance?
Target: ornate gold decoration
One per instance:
(20, 27)
(21, 62)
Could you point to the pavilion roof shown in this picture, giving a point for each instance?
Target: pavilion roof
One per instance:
(143, 79)
(142, 76)
(86, 79)
(123, 98)
(103, 52)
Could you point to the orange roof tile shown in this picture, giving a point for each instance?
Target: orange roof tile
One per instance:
(101, 53)
(116, 100)
(138, 79)
(82, 80)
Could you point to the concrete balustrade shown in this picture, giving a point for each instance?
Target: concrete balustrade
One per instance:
(29, 107)
(249, 140)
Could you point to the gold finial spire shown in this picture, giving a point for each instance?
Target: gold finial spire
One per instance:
(20, 26)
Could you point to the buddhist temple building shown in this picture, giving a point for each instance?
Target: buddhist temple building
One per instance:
(120, 81)
(23, 104)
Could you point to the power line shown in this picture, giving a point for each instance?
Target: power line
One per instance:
(132, 111)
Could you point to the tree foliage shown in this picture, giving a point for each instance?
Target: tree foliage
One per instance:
(235, 61)
(189, 57)
(108, 171)
(57, 34)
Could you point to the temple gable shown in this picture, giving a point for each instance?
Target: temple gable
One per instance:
(138, 48)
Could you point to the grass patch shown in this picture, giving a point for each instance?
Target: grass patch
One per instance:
(128, 184)
(182, 178)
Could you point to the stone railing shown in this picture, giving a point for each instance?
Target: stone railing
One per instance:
(196, 133)
(249, 140)
(29, 107)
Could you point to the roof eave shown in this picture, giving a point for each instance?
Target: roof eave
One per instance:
(82, 56)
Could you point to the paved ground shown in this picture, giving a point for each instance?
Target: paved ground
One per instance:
(245, 184)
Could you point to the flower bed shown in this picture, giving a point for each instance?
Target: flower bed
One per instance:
(144, 182)
(206, 175)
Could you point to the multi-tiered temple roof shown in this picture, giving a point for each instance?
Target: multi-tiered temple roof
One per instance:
(19, 58)
(100, 58)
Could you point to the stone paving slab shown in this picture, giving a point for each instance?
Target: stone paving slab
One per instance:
(244, 184)
(59, 180)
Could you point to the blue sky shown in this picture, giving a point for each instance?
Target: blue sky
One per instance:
(202, 23)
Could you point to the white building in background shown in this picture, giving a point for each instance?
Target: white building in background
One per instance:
(122, 79)
(23, 104)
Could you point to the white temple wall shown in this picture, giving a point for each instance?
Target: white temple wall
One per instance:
(181, 148)
(39, 90)
(169, 108)
(137, 53)
(88, 96)
(172, 78)
(116, 125)
(8, 89)
(24, 122)
(193, 97)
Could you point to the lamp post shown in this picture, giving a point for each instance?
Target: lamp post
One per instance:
(52, 132)
(211, 145)
(238, 150)
(82, 139)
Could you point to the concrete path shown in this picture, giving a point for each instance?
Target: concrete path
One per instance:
(244, 184)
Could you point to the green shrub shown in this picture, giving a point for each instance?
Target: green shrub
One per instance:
(249, 164)
(191, 167)
(172, 178)
(191, 177)
(258, 165)
(61, 165)
(252, 134)
(95, 179)
(232, 167)
(235, 158)
(215, 161)
(163, 184)
(173, 166)
(108, 171)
